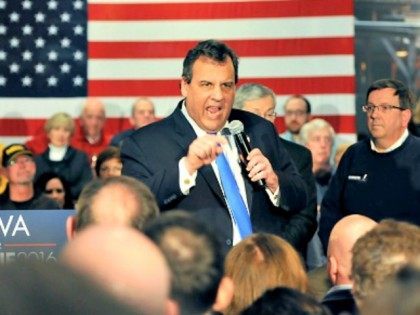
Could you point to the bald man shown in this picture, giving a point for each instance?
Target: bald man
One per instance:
(142, 114)
(91, 137)
(125, 263)
(342, 239)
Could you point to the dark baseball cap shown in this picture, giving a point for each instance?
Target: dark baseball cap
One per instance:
(12, 151)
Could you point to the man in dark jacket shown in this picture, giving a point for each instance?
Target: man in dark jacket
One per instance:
(176, 157)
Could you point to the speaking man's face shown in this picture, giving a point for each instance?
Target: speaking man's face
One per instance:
(211, 92)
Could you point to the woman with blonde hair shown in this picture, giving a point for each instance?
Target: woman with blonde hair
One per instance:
(61, 158)
(260, 262)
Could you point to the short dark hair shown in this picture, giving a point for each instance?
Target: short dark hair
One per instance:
(405, 96)
(194, 256)
(147, 208)
(303, 98)
(107, 154)
(381, 253)
(212, 49)
(285, 301)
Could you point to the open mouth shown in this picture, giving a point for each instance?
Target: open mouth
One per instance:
(214, 110)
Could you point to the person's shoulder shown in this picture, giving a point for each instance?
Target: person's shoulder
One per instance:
(246, 116)
(358, 147)
(73, 152)
(414, 140)
(123, 134)
(298, 148)
(42, 156)
(251, 121)
(43, 202)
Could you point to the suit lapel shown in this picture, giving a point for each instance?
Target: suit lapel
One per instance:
(184, 134)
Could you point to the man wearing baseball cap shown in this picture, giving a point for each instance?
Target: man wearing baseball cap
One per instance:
(20, 170)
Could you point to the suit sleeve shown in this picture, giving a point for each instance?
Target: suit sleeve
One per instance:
(302, 225)
(292, 187)
(162, 177)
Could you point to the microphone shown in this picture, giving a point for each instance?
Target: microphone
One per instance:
(236, 128)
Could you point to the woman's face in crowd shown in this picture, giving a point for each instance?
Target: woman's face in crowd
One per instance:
(55, 190)
(110, 168)
(59, 136)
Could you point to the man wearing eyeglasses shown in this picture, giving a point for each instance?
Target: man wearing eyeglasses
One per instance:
(20, 171)
(378, 177)
(297, 112)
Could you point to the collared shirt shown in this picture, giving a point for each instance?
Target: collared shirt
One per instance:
(396, 145)
(187, 181)
(57, 153)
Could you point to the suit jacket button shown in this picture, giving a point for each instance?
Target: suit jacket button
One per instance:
(228, 242)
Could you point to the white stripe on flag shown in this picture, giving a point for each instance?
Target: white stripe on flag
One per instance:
(255, 67)
(267, 28)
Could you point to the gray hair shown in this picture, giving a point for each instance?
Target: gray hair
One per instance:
(314, 125)
(250, 92)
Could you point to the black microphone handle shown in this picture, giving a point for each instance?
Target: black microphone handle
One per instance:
(244, 148)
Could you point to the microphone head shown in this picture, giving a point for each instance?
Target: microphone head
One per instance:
(236, 127)
(225, 132)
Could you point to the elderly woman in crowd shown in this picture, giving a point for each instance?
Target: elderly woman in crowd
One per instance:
(261, 262)
(61, 158)
(318, 136)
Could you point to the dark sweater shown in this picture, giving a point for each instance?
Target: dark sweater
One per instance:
(74, 167)
(377, 185)
(37, 202)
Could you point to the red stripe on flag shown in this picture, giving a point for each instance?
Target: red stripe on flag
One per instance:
(244, 48)
(24, 127)
(281, 86)
(221, 10)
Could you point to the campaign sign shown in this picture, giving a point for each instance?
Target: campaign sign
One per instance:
(32, 234)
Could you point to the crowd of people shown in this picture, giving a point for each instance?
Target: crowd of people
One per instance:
(211, 211)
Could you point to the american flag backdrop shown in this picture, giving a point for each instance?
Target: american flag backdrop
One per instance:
(54, 53)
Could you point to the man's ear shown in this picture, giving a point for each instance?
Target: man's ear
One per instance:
(332, 269)
(184, 87)
(224, 295)
(71, 227)
(406, 117)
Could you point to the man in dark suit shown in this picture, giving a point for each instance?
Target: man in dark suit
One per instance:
(261, 100)
(176, 156)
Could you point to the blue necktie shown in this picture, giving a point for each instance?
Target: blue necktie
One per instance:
(233, 197)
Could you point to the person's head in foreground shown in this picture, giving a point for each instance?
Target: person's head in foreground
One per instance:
(261, 262)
